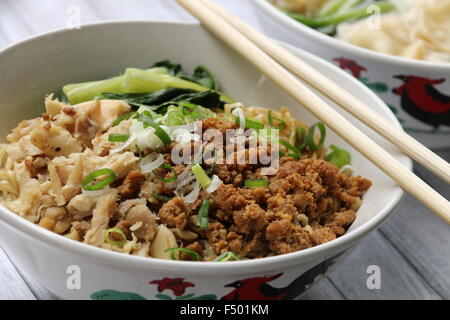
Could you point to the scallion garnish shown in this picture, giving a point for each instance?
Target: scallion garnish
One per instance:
(118, 137)
(227, 256)
(201, 176)
(338, 156)
(254, 183)
(296, 152)
(311, 141)
(174, 251)
(111, 176)
(125, 117)
(161, 197)
(111, 236)
(272, 119)
(251, 124)
(300, 138)
(171, 179)
(203, 214)
(159, 132)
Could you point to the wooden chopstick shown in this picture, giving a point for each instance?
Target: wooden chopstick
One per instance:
(313, 103)
(341, 97)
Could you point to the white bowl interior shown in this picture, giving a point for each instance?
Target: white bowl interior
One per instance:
(43, 64)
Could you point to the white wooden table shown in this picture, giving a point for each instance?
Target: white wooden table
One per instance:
(412, 249)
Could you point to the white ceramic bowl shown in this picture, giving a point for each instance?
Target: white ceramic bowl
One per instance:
(403, 84)
(40, 65)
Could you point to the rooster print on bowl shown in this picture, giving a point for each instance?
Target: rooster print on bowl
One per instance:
(420, 103)
(252, 288)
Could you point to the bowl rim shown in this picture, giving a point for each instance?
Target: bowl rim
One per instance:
(102, 256)
(346, 47)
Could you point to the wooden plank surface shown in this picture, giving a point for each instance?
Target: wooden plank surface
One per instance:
(411, 249)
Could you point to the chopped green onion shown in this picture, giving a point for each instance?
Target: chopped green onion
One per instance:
(227, 256)
(323, 133)
(161, 197)
(174, 251)
(115, 231)
(300, 138)
(100, 185)
(171, 179)
(118, 137)
(254, 183)
(175, 117)
(125, 117)
(159, 132)
(272, 119)
(211, 169)
(203, 214)
(339, 17)
(338, 157)
(296, 152)
(331, 7)
(147, 113)
(162, 134)
(201, 176)
(251, 123)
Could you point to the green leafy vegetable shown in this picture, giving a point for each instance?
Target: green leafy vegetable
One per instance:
(161, 100)
(174, 69)
(163, 75)
(202, 75)
(205, 77)
(148, 99)
(338, 156)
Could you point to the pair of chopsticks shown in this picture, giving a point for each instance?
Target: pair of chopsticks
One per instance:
(262, 52)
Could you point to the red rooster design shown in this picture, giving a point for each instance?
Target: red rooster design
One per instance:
(259, 288)
(177, 285)
(255, 289)
(423, 101)
(351, 65)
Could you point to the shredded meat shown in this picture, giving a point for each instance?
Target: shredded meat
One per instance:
(105, 206)
(137, 214)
